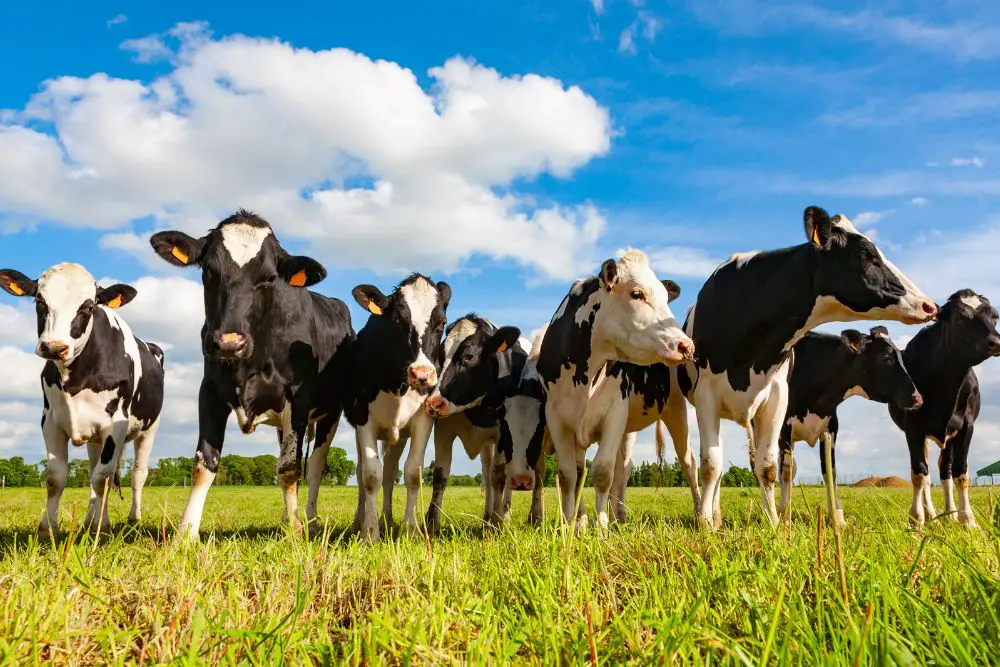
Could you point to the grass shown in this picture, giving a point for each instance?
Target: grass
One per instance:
(653, 591)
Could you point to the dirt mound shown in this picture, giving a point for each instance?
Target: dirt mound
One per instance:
(882, 482)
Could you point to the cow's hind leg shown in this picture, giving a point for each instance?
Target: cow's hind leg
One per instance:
(143, 447)
(767, 430)
(326, 430)
(675, 418)
(98, 519)
(960, 472)
(707, 412)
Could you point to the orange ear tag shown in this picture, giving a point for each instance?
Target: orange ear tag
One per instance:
(503, 347)
(179, 254)
(299, 279)
(374, 309)
(16, 289)
(115, 302)
(815, 238)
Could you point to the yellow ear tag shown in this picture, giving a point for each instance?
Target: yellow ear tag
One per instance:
(16, 289)
(374, 309)
(815, 238)
(503, 347)
(181, 256)
(298, 280)
(115, 302)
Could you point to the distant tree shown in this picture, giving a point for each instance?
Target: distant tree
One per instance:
(235, 470)
(264, 468)
(427, 475)
(339, 469)
(79, 473)
(737, 476)
(551, 468)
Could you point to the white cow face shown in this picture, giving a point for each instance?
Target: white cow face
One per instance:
(65, 298)
(635, 316)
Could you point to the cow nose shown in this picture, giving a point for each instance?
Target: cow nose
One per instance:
(918, 400)
(994, 346)
(54, 350)
(522, 482)
(686, 349)
(421, 377)
(231, 343)
(435, 406)
(929, 308)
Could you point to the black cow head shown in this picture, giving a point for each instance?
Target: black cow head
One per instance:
(65, 297)
(853, 278)
(970, 323)
(470, 364)
(877, 370)
(246, 274)
(409, 323)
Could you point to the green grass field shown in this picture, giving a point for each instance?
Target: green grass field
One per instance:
(652, 591)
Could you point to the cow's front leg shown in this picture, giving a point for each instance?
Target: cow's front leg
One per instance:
(564, 443)
(444, 440)
(57, 472)
(143, 447)
(537, 511)
(420, 429)
(919, 474)
(326, 429)
(960, 471)
(493, 509)
(213, 413)
(391, 453)
(675, 418)
(767, 430)
(603, 473)
(786, 464)
(293, 427)
(623, 470)
(369, 479)
(112, 446)
(707, 412)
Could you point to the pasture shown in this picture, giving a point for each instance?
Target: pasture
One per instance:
(653, 591)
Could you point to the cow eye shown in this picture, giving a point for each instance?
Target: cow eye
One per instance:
(267, 282)
(468, 357)
(638, 295)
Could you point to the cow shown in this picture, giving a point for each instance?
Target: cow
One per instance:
(101, 386)
(941, 359)
(826, 371)
(480, 367)
(275, 353)
(622, 314)
(750, 313)
(395, 367)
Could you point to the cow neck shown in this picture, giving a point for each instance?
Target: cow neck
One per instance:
(82, 371)
(932, 363)
(490, 410)
(828, 378)
(377, 364)
(776, 299)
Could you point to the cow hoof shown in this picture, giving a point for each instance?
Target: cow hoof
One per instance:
(580, 526)
(535, 518)
(707, 524)
(916, 521)
(433, 522)
(371, 534)
(412, 530)
(838, 519)
(134, 519)
(45, 532)
(967, 519)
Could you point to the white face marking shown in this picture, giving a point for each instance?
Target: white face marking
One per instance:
(64, 288)
(243, 242)
(521, 414)
(421, 298)
(973, 302)
(462, 330)
(856, 391)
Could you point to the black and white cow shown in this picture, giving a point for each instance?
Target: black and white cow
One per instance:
(940, 359)
(101, 386)
(275, 353)
(646, 393)
(480, 368)
(749, 314)
(826, 371)
(623, 314)
(396, 364)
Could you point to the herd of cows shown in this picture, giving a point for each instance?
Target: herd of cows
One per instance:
(612, 361)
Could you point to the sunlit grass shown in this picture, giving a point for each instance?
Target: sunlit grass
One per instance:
(652, 591)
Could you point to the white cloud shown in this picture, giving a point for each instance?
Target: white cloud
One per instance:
(148, 49)
(974, 161)
(920, 201)
(626, 41)
(21, 371)
(867, 218)
(598, 6)
(118, 19)
(647, 23)
(681, 262)
(348, 154)
(20, 326)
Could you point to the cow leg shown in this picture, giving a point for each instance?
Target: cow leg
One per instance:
(326, 430)
(707, 412)
(676, 420)
(213, 413)
(919, 475)
(603, 473)
(498, 480)
(623, 469)
(767, 432)
(537, 510)
(98, 519)
(836, 511)
(294, 422)
(493, 506)
(420, 428)
(143, 448)
(928, 500)
(946, 459)
(444, 440)
(565, 446)
(786, 463)
(960, 472)
(57, 472)
(369, 479)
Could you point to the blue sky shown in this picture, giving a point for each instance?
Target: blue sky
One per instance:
(504, 147)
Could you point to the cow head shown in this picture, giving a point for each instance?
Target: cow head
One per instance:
(246, 274)
(878, 368)
(522, 439)
(635, 317)
(412, 320)
(854, 280)
(65, 298)
(471, 364)
(970, 323)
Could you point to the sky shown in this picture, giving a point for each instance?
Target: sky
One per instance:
(507, 148)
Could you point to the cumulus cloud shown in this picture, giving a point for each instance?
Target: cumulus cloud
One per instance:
(682, 262)
(118, 19)
(974, 161)
(346, 153)
(920, 201)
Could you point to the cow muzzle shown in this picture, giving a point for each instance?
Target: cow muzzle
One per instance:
(421, 377)
(436, 406)
(53, 350)
(522, 482)
(231, 345)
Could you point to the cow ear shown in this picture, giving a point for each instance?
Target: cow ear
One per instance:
(370, 298)
(819, 227)
(504, 339)
(673, 290)
(301, 271)
(879, 331)
(854, 339)
(177, 247)
(444, 292)
(609, 274)
(18, 284)
(115, 296)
